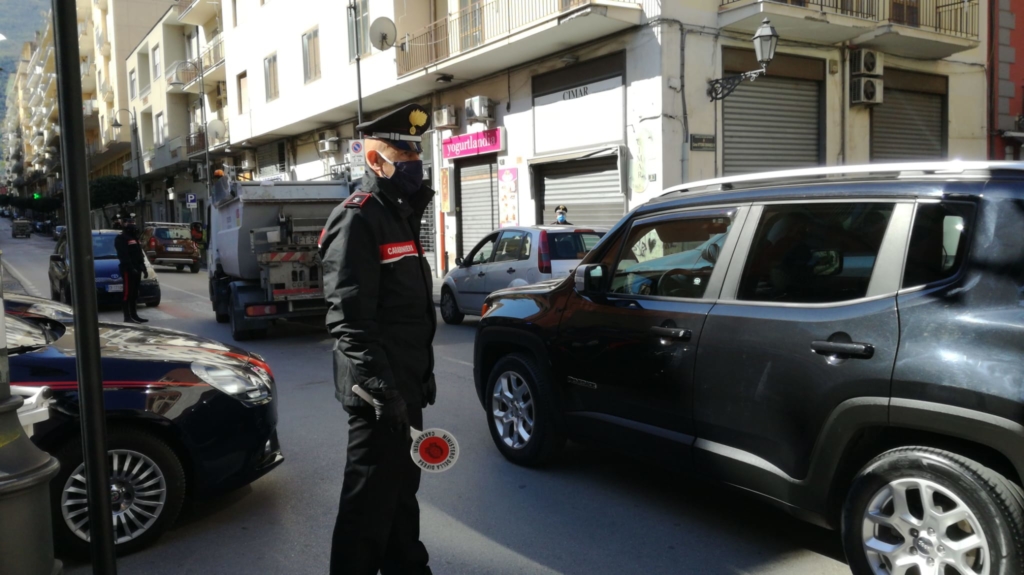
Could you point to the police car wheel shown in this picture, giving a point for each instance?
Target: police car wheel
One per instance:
(450, 312)
(147, 489)
(521, 412)
(934, 511)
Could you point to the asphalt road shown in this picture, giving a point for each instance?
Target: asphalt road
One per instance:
(591, 513)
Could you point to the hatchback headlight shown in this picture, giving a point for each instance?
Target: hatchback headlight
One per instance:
(237, 383)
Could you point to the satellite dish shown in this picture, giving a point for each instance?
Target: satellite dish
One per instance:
(216, 128)
(383, 33)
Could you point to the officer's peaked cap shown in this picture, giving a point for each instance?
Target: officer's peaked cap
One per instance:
(402, 128)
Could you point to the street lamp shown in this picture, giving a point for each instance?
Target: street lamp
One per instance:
(138, 159)
(766, 39)
(197, 66)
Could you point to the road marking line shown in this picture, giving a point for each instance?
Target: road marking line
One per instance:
(21, 279)
(192, 293)
(459, 361)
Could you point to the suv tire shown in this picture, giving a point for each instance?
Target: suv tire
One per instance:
(518, 399)
(194, 268)
(989, 503)
(450, 312)
(160, 462)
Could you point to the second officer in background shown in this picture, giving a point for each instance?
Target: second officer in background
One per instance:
(132, 264)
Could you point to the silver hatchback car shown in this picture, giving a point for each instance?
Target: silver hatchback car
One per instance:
(511, 257)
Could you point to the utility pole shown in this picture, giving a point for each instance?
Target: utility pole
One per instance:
(353, 8)
(83, 289)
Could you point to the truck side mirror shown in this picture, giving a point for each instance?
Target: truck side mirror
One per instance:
(589, 279)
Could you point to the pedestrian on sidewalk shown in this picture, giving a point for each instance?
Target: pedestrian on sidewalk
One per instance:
(132, 264)
(381, 311)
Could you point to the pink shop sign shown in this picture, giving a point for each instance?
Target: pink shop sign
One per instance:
(473, 144)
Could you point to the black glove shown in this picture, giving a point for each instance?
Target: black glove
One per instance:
(392, 411)
(429, 391)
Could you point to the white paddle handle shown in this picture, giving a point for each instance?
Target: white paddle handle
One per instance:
(365, 396)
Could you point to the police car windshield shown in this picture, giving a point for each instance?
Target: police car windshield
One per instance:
(103, 247)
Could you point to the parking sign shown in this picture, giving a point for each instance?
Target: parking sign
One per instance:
(190, 201)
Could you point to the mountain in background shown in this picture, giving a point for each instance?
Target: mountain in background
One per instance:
(19, 21)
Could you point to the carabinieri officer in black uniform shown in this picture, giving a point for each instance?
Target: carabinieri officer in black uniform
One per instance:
(378, 286)
(132, 265)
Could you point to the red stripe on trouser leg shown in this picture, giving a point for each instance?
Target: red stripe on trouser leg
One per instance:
(126, 287)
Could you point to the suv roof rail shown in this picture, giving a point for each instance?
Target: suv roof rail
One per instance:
(916, 170)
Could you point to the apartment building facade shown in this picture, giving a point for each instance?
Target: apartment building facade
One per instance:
(178, 97)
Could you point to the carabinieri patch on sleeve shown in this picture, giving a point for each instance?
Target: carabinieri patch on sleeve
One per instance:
(357, 200)
(390, 253)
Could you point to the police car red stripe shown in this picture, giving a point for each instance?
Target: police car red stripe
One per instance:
(390, 253)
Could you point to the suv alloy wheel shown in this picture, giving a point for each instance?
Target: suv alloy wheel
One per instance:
(924, 510)
(521, 413)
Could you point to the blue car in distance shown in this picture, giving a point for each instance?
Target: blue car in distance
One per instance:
(109, 283)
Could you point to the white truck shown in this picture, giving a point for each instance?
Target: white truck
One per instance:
(265, 264)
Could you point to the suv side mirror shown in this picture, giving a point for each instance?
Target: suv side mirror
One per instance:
(459, 261)
(589, 279)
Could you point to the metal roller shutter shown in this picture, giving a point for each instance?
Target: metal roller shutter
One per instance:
(428, 236)
(771, 124)
(907, 126)
(478, 203)
(590, 189)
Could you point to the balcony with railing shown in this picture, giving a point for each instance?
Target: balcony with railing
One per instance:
(197, 12)
(195, 143)
(213, 55)
(495, 34)
(931, 29)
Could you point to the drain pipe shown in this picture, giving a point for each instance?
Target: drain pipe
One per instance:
(684, 160)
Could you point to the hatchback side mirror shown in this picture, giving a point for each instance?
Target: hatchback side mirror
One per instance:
(589, 279)
(711, 253)
(458, 261)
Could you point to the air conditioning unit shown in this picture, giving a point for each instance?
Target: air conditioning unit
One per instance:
(865, 63)
(445, 117)
(865, 91)
(478, 108)
(249, 160)
(328, 136)
(327, 146)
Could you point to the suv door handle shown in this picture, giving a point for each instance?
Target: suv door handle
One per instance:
(511, 270)
(856, 350)
(672, 333)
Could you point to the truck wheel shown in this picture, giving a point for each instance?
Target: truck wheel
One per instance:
(521, 412)
(222, 317)
(237, 332)
(450, 308)
(147, 491)
(932, 511)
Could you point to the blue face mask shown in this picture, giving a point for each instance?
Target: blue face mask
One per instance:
(561, 218)
(408, 176)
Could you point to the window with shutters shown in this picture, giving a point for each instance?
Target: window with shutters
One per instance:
(156, 62)
(359, 27)
(243, 93)
(133, 88)
(311, 55)
(270, 77)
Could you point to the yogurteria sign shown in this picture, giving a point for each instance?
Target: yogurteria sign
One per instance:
(473, 144)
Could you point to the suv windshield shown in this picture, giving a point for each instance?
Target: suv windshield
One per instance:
(172, 234)
(23, 335)
(103, 247)
(572, 245)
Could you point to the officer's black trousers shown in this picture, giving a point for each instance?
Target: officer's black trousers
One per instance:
(378, 527)
(132, 279)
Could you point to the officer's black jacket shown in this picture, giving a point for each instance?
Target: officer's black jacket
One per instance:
(129, 253)
(378, 287)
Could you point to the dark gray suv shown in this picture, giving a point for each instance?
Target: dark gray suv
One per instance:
(846, 342)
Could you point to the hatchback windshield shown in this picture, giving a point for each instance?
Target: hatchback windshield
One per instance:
(172, 234)
(103, 246)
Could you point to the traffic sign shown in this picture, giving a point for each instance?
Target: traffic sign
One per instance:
(190, 201)
(356, 153)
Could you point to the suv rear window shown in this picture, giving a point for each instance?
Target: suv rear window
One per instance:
(572, 245)
(172, 234)
(938, 242)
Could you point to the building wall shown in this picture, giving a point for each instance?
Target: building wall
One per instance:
(1008, 81)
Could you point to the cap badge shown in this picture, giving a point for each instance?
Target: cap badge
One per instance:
(416, 118)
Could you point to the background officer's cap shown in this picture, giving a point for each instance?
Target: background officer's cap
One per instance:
(562, 208)
(402, 128)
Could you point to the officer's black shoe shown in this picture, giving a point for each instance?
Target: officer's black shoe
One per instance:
(135, 314)
(128, 315)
